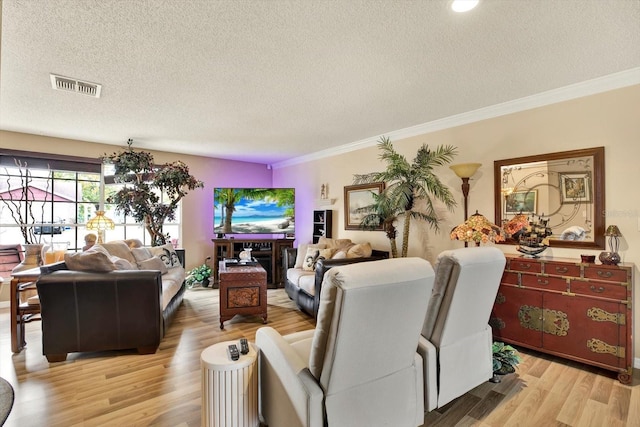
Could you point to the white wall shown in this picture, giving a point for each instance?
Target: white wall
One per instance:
(607, 119)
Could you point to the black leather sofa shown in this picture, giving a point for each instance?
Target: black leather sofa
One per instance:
(117, 310)
(309, 303)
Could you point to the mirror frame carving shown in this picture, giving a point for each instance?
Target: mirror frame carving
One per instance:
(598, 194)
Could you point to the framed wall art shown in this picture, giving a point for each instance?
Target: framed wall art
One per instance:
(575, 187)
(522, 202)
(356, 199)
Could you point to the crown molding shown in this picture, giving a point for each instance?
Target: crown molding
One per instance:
(578, 90)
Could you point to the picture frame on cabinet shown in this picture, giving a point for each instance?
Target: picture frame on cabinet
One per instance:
(356, 198)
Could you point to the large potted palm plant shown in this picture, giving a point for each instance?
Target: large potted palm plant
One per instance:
(384, 211)
(409, 183)
(151, 192)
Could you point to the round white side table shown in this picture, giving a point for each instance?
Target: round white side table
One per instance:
(229, 388)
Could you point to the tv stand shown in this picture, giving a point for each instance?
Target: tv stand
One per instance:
(268, 252)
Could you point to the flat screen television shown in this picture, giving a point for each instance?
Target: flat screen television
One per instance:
(254, 211)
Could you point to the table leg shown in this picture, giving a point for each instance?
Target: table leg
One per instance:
(17, 327)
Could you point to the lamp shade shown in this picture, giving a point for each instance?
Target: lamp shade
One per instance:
(613, 230)
(515, 224)
(477, 229)
(100, 222)
(465, 170)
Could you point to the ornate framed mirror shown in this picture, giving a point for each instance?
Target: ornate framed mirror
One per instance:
(566, 190)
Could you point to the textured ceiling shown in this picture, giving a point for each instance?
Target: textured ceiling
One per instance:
(267, 81)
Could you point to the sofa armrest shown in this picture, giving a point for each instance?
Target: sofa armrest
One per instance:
(285, 376)
(430, 371)
(289, 258)
(379, 254)
(50, 268)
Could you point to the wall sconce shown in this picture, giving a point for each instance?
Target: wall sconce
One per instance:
(612, 257)
(465, 171)
(100, 223)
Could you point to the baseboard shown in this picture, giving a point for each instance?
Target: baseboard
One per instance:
(5, 304)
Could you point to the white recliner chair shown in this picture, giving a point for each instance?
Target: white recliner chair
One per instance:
(359, 366)
(456, 338)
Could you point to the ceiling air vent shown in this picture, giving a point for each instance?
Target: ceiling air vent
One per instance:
(74, 85)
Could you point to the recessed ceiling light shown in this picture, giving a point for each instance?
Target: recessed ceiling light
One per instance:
(463, 5)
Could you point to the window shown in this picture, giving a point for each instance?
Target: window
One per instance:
(52, 197)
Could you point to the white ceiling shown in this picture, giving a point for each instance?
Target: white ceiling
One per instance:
(266, 81)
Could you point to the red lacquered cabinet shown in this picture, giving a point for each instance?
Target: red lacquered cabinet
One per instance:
(582, 312)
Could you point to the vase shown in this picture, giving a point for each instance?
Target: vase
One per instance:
(32, 257)
(609, 258)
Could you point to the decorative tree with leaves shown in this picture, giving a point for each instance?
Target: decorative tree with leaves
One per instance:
(408, 183)
(383, 211)
(144, 182)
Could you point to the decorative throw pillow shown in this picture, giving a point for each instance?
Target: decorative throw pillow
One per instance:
(121, 263)
(120, 249)
(153, 263)
(95, 259)
(302, 252)
(335, 243)
(167, 254)
(360, 250)
(326, 253)
(133, 243)
(310, 258)
(141, 254)
(340, 254)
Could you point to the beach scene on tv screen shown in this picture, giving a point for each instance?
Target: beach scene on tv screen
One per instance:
(254, 211)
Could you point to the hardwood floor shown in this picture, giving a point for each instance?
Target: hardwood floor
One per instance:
(164, 389)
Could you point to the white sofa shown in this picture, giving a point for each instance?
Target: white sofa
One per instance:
(307, 264)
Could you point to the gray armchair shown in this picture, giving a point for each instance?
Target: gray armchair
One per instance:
(359, 366)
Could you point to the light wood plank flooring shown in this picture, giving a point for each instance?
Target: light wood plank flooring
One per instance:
(126, 389)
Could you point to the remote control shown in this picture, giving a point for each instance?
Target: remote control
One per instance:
(244, 346)
(234, 354)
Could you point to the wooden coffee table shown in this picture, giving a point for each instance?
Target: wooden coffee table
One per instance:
(243, 290)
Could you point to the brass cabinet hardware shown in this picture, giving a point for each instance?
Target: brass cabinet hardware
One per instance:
(604, 274)
(599, 315)
(599, 346)
(554, 322)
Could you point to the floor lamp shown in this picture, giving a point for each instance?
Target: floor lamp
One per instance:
(465, 171)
